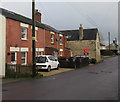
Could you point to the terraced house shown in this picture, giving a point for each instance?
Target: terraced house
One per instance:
(84, 41)
(16, 39)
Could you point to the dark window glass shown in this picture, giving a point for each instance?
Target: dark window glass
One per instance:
(41, 59)
(13, 56)
(24, 32)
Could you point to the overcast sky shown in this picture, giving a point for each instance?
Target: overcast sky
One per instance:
(69, 15)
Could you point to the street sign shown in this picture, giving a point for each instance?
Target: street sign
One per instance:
(86, 50)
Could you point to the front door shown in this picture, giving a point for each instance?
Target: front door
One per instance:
(14, 58)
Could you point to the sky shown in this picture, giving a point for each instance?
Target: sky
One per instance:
(69, 15)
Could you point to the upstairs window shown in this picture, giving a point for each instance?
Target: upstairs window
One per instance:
(52, 38)
(69, 36)
(24, 33)
(61, 41)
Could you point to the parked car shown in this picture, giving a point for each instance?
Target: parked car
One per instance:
(47, 62)
(84, 56)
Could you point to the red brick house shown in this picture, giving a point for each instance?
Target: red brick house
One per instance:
(19, 39)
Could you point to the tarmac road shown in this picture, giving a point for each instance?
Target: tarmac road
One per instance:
(98, 82)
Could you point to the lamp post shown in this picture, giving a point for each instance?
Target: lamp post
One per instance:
(33, 41)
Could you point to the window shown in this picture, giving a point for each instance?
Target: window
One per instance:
(41, 53)
(60, 53)
(24, 57)
(52, 58)
(35, 35)
(41, 59)
(13, 58)
(61, 41)
(69, 36)
(52, 38)
(24, 33)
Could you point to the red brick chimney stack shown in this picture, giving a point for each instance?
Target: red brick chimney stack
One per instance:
(37, 16)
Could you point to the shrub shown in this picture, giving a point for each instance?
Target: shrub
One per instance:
(93, 60)
(108, 53)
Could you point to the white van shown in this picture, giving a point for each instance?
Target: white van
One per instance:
(47, 62)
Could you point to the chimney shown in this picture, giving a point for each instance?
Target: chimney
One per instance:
(37, 16)
(81, 32)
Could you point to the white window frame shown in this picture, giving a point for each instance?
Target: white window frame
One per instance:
(24, 58)
(52, 38)
(14, 62)
(41, 52)
(61, 53)
(61, 40)
(25, 33)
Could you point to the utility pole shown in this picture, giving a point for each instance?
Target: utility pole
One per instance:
(109, 39)
(33, 41)
(116, 42)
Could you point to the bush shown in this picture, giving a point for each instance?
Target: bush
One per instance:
(108, 53)
(93, 60)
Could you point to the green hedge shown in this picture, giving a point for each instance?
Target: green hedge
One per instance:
(108, 53)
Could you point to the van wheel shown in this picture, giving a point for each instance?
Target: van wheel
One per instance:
(49, 68)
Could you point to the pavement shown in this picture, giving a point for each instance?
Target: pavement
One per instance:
(43, 72)
(53, 72)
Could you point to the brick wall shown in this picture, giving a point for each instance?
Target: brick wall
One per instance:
(78, 48)
(13, 39)
(43, 39)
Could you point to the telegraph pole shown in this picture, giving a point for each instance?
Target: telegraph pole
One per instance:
(109, 39)
(33, 40)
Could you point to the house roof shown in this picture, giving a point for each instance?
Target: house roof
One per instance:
(72, 34)
(88, 34)
(23, 19)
